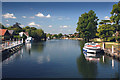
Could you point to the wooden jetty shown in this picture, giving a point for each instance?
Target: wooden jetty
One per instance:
(111, 52)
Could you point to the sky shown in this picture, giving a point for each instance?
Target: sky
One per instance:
(52, 17)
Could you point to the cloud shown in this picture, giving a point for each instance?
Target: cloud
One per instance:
(48, 16)
(107, 17)
(42, 15)
(33, 24)
(39, 15)
(24, 16)
(63, 26)
(22, 25)
(50, 26)
(8, 15)
(7, 24)
(32, 17)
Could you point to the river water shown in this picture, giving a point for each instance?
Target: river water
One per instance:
(58, 59)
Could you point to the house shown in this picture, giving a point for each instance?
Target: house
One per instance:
(11, 33)
(4, 34)
(25, 33)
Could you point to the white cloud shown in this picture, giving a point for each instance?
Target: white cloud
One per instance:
(33, 24)
(39, 15)
(60, 18)
(7, 21)
(22, 25)
(107, 17)
(48, 16)
(24, 16)
(50, 26)
(7, 24)
(63, 26)
(32, 17)
(42, 15)
(8, 15)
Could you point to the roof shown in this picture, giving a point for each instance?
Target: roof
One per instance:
(26, 33)
(11, 31)
(2, 32)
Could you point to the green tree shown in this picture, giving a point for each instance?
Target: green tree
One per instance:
(104, 22)
(40, 34)
(116, 13)
(116, 16)
(2, 26)
(86, 25)
(105, 31)
(60, 35)
(49, 35)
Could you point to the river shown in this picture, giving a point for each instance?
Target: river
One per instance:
(57, 59)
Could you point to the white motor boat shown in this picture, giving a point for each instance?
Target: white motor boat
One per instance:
(92, 47)
(28, 40)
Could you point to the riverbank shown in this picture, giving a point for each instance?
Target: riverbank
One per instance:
(73, 38)
(112, 49)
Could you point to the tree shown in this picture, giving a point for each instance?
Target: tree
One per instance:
(2, 26)
(116, 13)
(17, 25)
(86, 25)
(60, 35)
(49, 35)
(105, 31)
(116, 16)
(104, 22)
(40, 34)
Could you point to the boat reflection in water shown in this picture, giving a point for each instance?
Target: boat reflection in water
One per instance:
(92, 56)
(28, 47)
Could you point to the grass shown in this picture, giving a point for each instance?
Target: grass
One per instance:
(109, 44)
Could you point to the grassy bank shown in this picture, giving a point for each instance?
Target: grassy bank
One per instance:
(109, 44)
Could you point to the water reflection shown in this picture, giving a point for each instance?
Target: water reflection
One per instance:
(42, 59)
(89, 64)
(28, 48)
(10, 58)
(87, 69)
(38, 46)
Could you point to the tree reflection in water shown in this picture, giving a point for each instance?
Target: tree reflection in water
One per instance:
(38, 46)
(86, 68)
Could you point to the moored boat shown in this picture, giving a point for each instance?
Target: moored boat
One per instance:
(28, 40)
(92, 48)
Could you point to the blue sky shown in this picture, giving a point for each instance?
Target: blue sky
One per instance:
(52, 17)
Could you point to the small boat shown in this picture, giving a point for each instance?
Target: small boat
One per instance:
(48, 38)
(28, 40)
(92, 48)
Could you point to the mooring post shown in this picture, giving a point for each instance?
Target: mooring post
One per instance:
(103, 45)
(103, 59)
(112, 49)
(113, 63)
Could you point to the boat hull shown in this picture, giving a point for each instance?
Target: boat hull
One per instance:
(91, 50)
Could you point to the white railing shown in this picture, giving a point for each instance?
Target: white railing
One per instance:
(9, 44)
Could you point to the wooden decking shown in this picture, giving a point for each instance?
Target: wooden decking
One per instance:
(115, 54)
